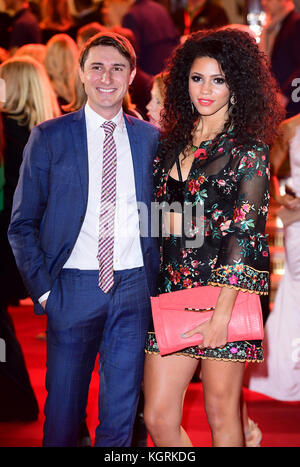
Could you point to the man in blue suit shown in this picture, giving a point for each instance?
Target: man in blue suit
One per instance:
(54, 233)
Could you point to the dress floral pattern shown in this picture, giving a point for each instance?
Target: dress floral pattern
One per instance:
(232, 183)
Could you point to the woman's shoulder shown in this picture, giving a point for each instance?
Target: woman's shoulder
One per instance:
(252, 148)
(252, 158)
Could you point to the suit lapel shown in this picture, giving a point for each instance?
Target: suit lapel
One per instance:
(135, 140)
(78, 129)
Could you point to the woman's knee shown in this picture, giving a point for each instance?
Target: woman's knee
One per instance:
(160, 420)
(221, 410)
(155, 420)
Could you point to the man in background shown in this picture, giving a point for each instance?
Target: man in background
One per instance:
(280, 40)
(25, 27)
(200, 14)
(155, 33)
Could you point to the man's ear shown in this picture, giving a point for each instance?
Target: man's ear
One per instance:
(81, 74)
(132, 75)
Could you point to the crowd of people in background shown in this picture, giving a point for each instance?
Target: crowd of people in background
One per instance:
(39, 50)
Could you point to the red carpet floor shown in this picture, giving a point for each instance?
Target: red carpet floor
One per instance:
(279, 421)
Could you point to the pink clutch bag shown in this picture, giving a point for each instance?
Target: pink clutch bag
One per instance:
(177, 312)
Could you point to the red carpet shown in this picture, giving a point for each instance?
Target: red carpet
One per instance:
(279, 421)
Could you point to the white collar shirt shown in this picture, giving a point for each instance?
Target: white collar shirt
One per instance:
(127, 246)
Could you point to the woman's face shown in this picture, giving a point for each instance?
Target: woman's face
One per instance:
(155, 105)
(208, 88)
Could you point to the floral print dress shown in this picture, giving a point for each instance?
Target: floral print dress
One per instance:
(231, 182)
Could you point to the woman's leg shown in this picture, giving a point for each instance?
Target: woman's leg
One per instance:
(165, 382)
(222, 385)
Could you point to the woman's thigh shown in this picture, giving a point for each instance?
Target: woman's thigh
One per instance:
(165, 382)
(222, 384)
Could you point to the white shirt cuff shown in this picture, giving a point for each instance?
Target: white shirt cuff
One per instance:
(44, 297)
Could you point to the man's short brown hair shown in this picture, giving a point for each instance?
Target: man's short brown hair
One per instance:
(109, 39)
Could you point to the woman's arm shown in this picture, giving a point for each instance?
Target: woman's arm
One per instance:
(278, 155)
(243, 258)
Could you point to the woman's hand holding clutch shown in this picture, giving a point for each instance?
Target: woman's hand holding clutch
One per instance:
(213, 331)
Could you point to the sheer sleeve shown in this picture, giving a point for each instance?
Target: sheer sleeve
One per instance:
(243, 259)
(156, 175)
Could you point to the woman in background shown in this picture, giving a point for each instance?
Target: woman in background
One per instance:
(30, 100)
(61, 62)
(279, 375)
(155, 105)
(56, 19)
(36, 51)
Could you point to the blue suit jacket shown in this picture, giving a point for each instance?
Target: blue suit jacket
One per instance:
(51, 198)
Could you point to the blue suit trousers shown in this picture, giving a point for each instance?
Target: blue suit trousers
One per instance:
(82, 323)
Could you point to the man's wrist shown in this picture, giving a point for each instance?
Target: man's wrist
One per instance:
(44, 297)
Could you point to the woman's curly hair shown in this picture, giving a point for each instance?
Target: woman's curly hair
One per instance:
(257, 112)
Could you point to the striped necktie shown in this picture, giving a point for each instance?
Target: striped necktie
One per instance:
(107, 209)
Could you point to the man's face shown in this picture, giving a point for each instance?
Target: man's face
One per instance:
(106, 77)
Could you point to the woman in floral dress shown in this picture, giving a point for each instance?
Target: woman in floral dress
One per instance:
(220, 112)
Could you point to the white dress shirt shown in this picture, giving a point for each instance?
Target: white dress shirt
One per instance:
(127, 247)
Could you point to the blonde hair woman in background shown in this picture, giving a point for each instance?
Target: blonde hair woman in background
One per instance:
(79, 96)
(30, 100)
(36, 51)
(61, 62)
